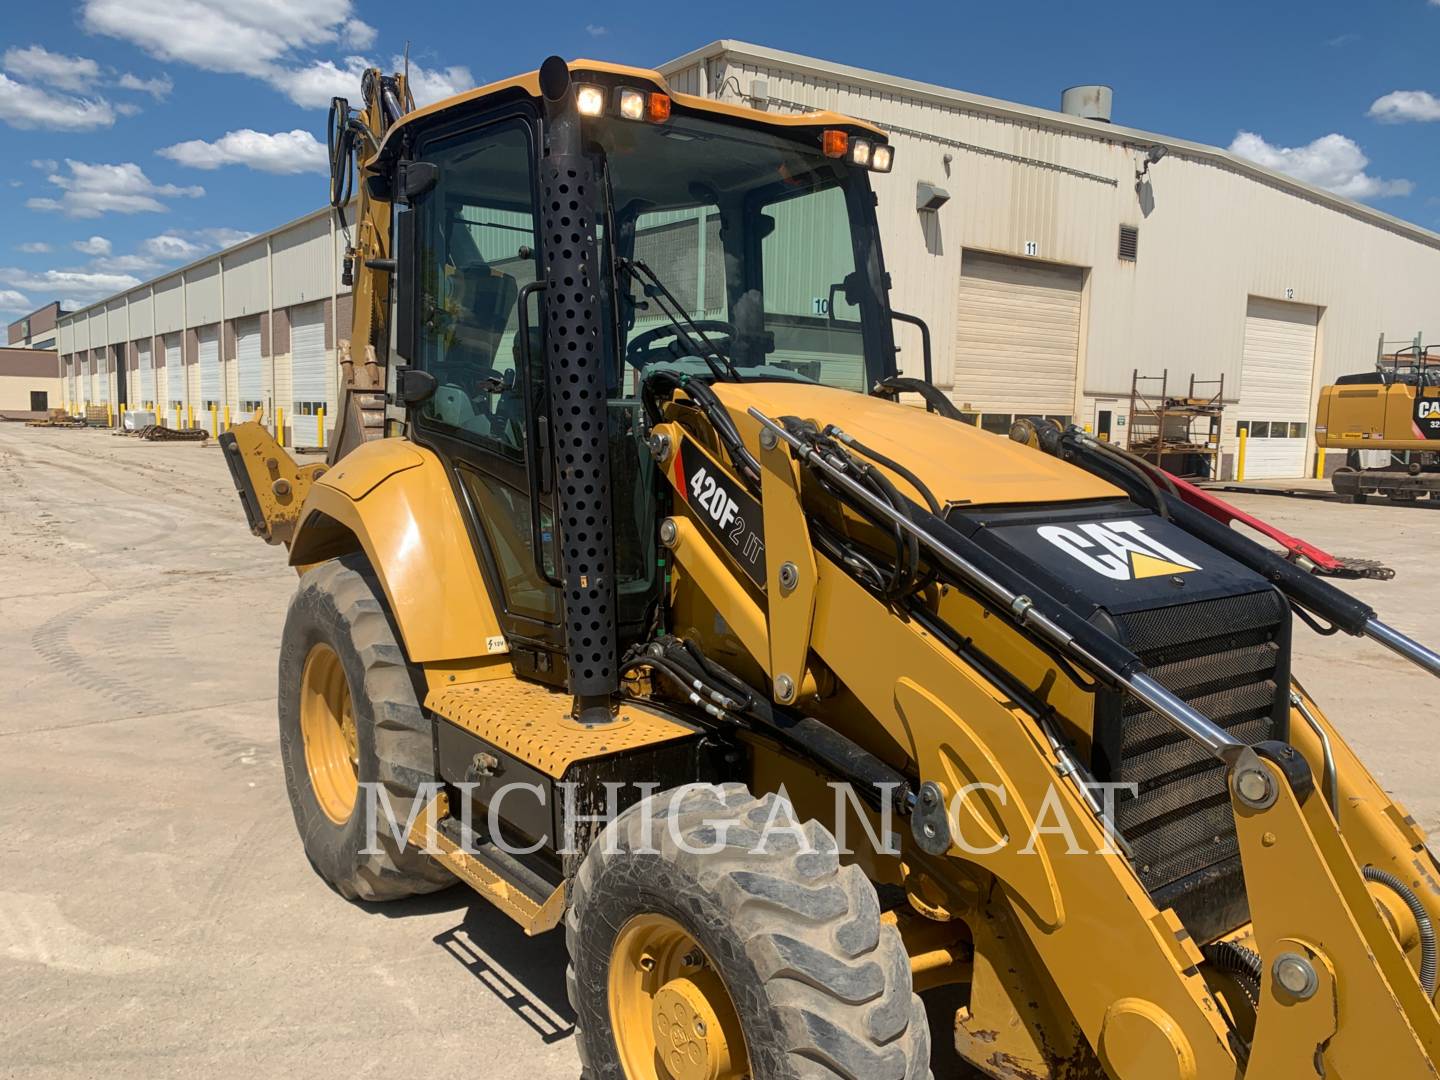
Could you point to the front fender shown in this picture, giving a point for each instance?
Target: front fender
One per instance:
(393, 500)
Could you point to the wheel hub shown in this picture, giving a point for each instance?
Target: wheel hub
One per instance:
(670, 1011)
(327, 726)
(688, 1034)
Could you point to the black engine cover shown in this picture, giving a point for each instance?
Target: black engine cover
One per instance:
(1210, 630)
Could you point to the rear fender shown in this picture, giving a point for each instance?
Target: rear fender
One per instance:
(394, 501)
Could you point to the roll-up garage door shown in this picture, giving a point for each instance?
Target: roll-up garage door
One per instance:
(174, 370)
(1017, 337)
(309, 364)
(210, 394)
(247, 363)
(102, 378)
(147, 373)
(1279, 363)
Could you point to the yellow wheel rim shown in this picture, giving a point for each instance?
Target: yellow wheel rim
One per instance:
(669, 1009)
(327, 725)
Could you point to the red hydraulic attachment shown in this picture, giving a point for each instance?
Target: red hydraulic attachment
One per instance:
(1300, 552)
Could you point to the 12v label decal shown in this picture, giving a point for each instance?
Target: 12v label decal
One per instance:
(1120, 550)
(730, 513)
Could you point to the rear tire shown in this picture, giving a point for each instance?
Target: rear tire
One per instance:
(338, 611)
(820, 987)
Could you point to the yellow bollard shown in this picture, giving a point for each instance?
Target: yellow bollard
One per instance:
(214, 421)
(1319, 463)
(320, 427)
(178, 418)
(280, 426)
(109, 416)
(227, 416)
(190, 415)
(1240, 455)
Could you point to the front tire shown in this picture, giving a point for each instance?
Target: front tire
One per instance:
(782, 949)
(350, 717)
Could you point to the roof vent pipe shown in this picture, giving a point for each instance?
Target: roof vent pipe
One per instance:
(1091, 102)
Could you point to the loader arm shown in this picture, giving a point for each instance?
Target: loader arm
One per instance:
(272, 486)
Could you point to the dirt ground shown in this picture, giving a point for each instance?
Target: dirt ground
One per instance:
(157, 916)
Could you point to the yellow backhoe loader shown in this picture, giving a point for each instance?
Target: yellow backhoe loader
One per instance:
(634, 597)
(1394, 408)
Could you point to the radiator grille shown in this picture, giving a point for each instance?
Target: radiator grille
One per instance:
(1228, 658)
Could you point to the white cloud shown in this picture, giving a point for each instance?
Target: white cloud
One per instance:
(53, 69)
(34, 247)
(172, 248)
(1333, 162)
(283, 152)
(1398, 106)
(431, 84)
(44, 164)
(182, 247)
(92, 190)
(14, 303)
(358, 35)
(223, 236)
(596, 31)
(140, 264)
(96, 245)
(25, 106)
(127, 109)
(159, 87)
(239, 37)
(313, 86)
(84, 286)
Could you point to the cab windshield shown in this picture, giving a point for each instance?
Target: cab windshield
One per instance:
(766, 245)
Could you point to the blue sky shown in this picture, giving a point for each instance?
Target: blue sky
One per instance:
(139, 134)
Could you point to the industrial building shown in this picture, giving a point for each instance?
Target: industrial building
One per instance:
(1053, 255)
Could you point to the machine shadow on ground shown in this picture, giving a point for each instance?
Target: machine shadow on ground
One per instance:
(526, 975)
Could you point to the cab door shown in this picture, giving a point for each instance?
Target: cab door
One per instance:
(475, 253)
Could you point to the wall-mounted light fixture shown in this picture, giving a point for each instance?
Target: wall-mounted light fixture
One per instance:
(930, 197)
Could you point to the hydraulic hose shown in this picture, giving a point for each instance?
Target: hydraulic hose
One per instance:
(1241, 964)
(1428, 970)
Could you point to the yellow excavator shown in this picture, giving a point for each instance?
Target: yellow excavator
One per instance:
(635, 598)
(1394, 408)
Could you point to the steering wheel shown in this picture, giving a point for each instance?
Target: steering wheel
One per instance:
(642, 351)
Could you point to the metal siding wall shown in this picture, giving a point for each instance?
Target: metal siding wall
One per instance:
(169, 306)
(142, 313)
(1212, 237)
(301, 259)
(96, 326)
(247, 284)
(202, 294)
(66, 338)
(115, 314)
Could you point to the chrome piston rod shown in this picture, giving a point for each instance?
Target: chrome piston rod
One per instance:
(1409, 648)
(1142, 687)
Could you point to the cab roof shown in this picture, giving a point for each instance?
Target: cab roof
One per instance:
(529, 85)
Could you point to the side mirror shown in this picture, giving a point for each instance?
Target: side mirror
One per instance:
(415, 387)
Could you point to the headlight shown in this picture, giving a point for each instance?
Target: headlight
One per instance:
(632, 104)
(882, 158)
(860, 152)
(590, 100)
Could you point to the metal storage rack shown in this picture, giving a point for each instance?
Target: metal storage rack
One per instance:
(1179, 434)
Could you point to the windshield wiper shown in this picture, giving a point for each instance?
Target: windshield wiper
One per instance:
(653, 287)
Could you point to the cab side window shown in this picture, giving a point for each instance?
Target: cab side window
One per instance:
(476, 251)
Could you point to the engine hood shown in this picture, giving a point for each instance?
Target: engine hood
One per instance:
(961, 464)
